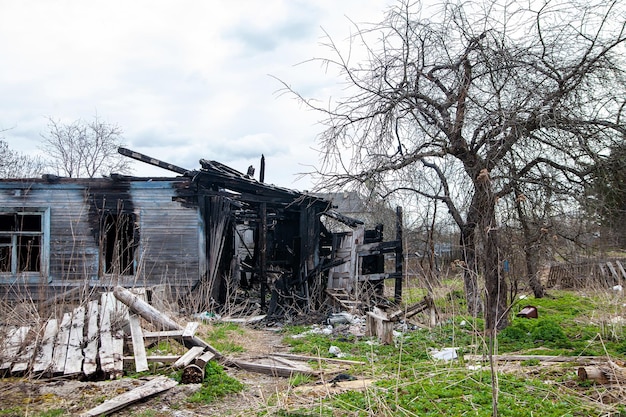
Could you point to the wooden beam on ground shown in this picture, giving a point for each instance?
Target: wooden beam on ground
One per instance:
(157, 318)
(243, 320)
(74, 360)
(188, 357)
(174, 334)
(317, 358)
(154, 386)
(43, 357)
(270, 366)
(60, 345)
(139, 349)
(541, 358)
(190, 330)
(153, 359)
(90, 364)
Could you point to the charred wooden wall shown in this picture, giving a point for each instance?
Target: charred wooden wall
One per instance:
(169, 248)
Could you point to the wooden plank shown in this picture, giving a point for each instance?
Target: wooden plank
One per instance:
(203, 359)
(152, 359)
(139, 349)
(12, 346)
(23, 361)
(190, 330)
(43, 358)
(118, 329)
(541, 358)
(613, 272)
(90, 365)
(317, 358)
(155, 386)
(74, 360)
(620, 268)
(60, 345)
(175, 334)
(106, 340)
(274, 369)
(188, 357)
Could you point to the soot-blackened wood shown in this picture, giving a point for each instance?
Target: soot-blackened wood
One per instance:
(399, 257)
(152, 161)
(263, 252)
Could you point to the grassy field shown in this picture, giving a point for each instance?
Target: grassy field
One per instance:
(408, 382)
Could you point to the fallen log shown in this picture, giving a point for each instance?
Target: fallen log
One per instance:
(194, 373)
(151, 314)
(609, 373)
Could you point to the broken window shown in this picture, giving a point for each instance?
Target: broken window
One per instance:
(118, 243)
(21, 241)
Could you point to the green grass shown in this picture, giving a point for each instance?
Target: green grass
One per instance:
(409, 382)
(218, 337)
(216, 384)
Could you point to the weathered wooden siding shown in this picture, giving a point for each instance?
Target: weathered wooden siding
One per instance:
(171, 238)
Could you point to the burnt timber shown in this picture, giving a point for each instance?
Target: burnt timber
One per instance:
(213, 231)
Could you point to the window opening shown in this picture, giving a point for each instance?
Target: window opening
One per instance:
(20, 242)
(118, 244)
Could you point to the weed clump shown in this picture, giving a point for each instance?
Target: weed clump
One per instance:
(216, 384)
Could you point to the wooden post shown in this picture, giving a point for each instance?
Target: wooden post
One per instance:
(379, 326)
(263, 252)
(399, 257)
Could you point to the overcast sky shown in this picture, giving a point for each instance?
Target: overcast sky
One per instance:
(184, 79)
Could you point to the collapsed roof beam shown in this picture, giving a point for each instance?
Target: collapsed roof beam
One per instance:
(152, 161)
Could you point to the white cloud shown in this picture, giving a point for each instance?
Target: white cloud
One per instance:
(185, 80)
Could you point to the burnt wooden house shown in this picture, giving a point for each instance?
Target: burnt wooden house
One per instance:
(213, 231)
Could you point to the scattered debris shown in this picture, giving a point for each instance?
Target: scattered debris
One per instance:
(334, 350)
(529, 312)
(444, 354)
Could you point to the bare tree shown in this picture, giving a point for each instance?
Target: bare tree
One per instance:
(85, 149)
(14, 164)
(492, 92)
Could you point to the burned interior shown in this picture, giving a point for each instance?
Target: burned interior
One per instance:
(214, 233)
(271, 242)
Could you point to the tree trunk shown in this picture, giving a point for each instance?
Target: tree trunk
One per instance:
(532, 272)
(470, 273)
(495, 284)
(531, 249)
